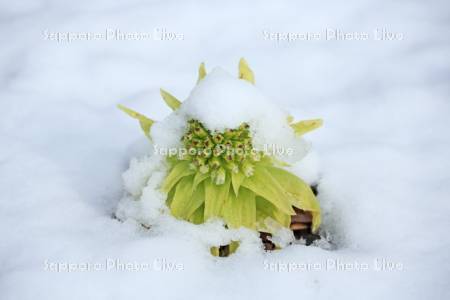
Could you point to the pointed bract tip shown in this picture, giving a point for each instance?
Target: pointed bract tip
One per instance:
(201, 72)
(145, 122)
(170, 100)
(245, 72)
(305, 126)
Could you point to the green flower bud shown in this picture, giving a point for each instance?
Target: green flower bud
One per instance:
(193, 123)
(238, 144)
(228, 156)
(206, 153)
(228, 144)
(239, 149)
(207, 143)
(244, 135)
(196, 142)
(200, 131)
(229, 133)
(214, 163)
(218, 150)
(201, 153)
(244, 127)
(192, 151)
(217, 138)
(188, 137)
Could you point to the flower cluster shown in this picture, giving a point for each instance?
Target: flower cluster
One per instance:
(218, 152)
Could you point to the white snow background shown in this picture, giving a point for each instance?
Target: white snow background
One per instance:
(383, 150)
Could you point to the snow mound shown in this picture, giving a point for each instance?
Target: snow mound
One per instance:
(221, 101)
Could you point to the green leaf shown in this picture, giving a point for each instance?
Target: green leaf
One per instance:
(261, 218)
(305, 126)
(197, 199)
(146, 123)
(197, 216)
(199, 177)
(233, 247)
(263, 184)
(185, 203)
(215, 197)
(301, 194)
(270, 161)
(170, 197)
(179, 170)
(170, 100)
(240, 211)
(245, 72)
(266, 209)
(236, 180)
(214, 251)
(201, 72)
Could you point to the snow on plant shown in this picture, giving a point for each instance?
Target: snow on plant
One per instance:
(217, 166)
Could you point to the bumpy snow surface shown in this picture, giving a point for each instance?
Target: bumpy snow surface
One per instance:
(382, 154)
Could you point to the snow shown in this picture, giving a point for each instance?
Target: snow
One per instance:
(381, 157)
(221, 101)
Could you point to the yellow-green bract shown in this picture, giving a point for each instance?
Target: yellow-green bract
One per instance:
(211, 180)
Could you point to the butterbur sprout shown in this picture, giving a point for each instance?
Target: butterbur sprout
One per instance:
(221, 172)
